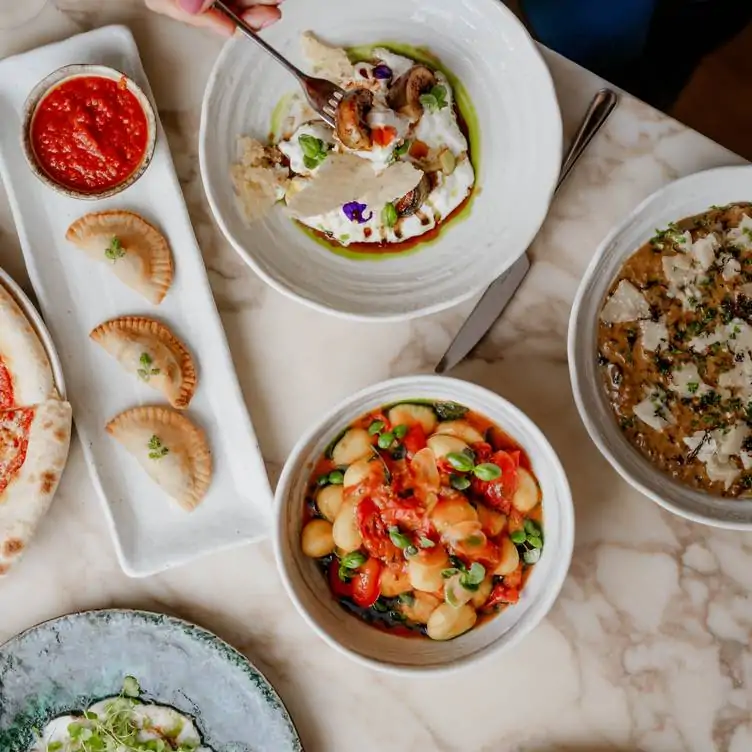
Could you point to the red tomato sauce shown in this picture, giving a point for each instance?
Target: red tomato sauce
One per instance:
(89, 133)
(6, 388)
(14, 443)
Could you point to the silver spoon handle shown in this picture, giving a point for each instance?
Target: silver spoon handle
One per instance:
(253, 36)
(600, 108)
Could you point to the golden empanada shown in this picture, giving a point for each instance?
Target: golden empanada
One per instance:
(172, 450)
(137, 251)
(148, 349)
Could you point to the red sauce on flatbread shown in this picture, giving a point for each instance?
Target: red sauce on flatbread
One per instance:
(6, 388)
(15, 426)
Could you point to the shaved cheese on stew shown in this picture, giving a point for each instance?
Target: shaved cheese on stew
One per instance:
(626, 304)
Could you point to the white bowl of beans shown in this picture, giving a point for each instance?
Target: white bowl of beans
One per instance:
(422, 525)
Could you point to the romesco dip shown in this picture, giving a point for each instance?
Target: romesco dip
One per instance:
(90, 134)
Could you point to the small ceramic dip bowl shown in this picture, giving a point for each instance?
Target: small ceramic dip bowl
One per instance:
(89, 131)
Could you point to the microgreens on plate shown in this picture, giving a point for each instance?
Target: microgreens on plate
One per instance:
(146, 371)
(157, 449)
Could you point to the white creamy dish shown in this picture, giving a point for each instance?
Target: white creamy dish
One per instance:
(396, 165)
(122, 724)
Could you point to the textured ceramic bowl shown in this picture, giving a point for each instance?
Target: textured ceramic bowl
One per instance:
(175, 662)
(691, 195)
(410, 655)
(518, 151)
(40, 91)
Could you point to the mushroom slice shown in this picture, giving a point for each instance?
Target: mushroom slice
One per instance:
(352, 119)
(137, 251)
(404, 96)
(149, 350)
(172, 450)
(412, 201)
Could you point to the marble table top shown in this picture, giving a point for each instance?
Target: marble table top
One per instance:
(648, 646)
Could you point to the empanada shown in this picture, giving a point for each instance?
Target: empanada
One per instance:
(149, 350)
(172, 450)
(137, 251)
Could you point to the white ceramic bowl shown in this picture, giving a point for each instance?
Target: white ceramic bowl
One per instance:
(407, 655)
(55, 79)
(683, 198)
(519, 151)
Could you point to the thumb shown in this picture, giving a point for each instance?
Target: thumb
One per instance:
(195, 6)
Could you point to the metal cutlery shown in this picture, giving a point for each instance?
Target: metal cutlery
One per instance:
(322, 95)
(500, 292)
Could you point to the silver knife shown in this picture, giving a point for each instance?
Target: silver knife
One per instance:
(502, 290)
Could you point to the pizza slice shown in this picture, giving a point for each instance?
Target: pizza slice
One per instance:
(25, 372)
(33, 450)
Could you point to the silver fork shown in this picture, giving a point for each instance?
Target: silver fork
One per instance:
(322, 95)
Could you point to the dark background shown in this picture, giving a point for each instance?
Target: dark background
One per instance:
(717, 101)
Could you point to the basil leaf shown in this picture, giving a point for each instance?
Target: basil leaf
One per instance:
(426, 542)
(518, 536)
(460, 482)
(447, 573)
(487, 471)
(399, 539)
(376, 427)
(460, 461)
(449, 410)
(389, 215)
(353, 560)
(400, 431)
(476, 574)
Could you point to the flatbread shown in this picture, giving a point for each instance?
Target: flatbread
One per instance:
(172, 450)
(344, 177)
(135, 250)
(34, 444)
(150, 351)
(25, 372)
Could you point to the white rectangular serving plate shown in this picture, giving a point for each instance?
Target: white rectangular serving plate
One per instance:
(76, 294)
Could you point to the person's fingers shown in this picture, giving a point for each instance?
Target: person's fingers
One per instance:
(250, 3)
(261, 16)
(195, 6)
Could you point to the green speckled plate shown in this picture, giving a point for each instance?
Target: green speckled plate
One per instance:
(67, 663)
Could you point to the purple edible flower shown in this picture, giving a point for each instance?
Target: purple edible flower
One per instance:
(354, 212)
(382, 71)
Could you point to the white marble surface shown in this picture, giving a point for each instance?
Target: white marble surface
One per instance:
(648, 646)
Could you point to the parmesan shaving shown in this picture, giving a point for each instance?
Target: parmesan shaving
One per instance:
(741, 236)
(344, 177)
(626, 304)
(653, 411)
(686, 381)
(654, 335)
(325, 60)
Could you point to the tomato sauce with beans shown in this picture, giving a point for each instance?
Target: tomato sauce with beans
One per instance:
(90, 133)
(425, 518)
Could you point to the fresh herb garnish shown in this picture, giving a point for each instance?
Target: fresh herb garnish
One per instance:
(315, 151)
(389, 215)
(114, 250)
(426, 542)
(435, 99)
(399, 539)
(449, 410)
(402, 149)
(146, 371)
(376, 427)
(462, 463)
(385, 440)
(460, 482)
(471, 579)
(157, 449)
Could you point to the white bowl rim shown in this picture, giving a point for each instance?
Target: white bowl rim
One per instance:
(214, 203)
(535, 614)
(582, 292)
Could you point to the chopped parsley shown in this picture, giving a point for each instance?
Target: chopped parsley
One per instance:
(157, 449)
(146, 371)
(114, 250)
